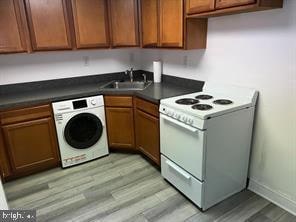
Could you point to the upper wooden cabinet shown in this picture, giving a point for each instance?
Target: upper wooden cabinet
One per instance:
(91, 23)
(124, 22)
(231, 3)
(13, 27)
(163, 25)
(196, 6)
(211, 8)
(149, 23)
(49, 24)
(171, 23)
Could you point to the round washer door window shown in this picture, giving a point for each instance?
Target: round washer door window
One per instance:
(83, 131)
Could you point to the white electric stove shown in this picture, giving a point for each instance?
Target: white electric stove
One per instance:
(205, 141)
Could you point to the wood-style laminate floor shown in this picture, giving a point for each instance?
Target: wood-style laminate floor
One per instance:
(125, 187)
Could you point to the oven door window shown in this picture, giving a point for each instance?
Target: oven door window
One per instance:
(83, 131)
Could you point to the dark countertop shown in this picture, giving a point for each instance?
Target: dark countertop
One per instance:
(21, 97)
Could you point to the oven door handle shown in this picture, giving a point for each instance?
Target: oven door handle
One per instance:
(179, 171)
(176, 122)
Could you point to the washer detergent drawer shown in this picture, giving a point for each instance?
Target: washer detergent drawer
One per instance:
(183, 181)
(183, 144)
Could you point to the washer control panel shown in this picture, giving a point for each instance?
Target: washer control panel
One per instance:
(78, 104)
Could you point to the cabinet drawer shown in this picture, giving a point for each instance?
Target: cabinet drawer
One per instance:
(183, 181)
(25, 114)
(118, 101)
(147, 107)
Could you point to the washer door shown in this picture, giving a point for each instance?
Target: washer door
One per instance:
(83, 130)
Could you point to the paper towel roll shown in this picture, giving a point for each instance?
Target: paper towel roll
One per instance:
(157, 71)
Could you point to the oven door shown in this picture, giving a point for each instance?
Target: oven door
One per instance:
(183, 144)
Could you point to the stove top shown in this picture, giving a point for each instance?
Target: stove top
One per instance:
(212, 101)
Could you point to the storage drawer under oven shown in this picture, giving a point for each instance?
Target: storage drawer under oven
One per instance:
(183, 181)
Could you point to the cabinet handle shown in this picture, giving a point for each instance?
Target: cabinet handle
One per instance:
(176, 168)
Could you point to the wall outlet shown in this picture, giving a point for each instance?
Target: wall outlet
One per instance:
(131, 57)
(85, 60)
(185, 61)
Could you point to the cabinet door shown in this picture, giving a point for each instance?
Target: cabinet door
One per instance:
(149, 18)
(171, 23)
(4, 161)
(14, 33)
(147, 135)
(198, 6)
(231, 3)
(49, 25)
(90, 22)
(124, 22)
(31, 145)
(120, 126)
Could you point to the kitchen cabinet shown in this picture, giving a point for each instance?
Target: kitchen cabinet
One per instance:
(14, 35)
(149, 23)
(120, 122)
(211, 8)
(171, 23)
(124, 23)
(4, 163)
(29, 140)
(90, 23)
(49, 24)
(196, 6)
(231, 3)
(147, 129)
(163, 25)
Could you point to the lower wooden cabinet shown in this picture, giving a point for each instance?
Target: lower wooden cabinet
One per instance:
(147, 129)
(133, 124)
(120, 122)
(147, 135)
(120, 125)
(30, 142)
(4, 161)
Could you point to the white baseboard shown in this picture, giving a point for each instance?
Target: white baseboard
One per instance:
(273, 196)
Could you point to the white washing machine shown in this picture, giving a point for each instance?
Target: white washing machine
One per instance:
(81, 129)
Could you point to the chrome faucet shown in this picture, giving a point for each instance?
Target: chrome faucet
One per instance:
(130, 73)
(145, 77)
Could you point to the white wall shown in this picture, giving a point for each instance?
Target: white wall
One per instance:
(17, 68)
(3, 202)
(255, 50)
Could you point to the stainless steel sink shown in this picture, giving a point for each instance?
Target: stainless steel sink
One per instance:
(136, 85)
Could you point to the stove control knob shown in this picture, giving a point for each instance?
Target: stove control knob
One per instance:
(184, 118)
(93, 102)
(170, 113)
(190, 121)
(178, 116)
